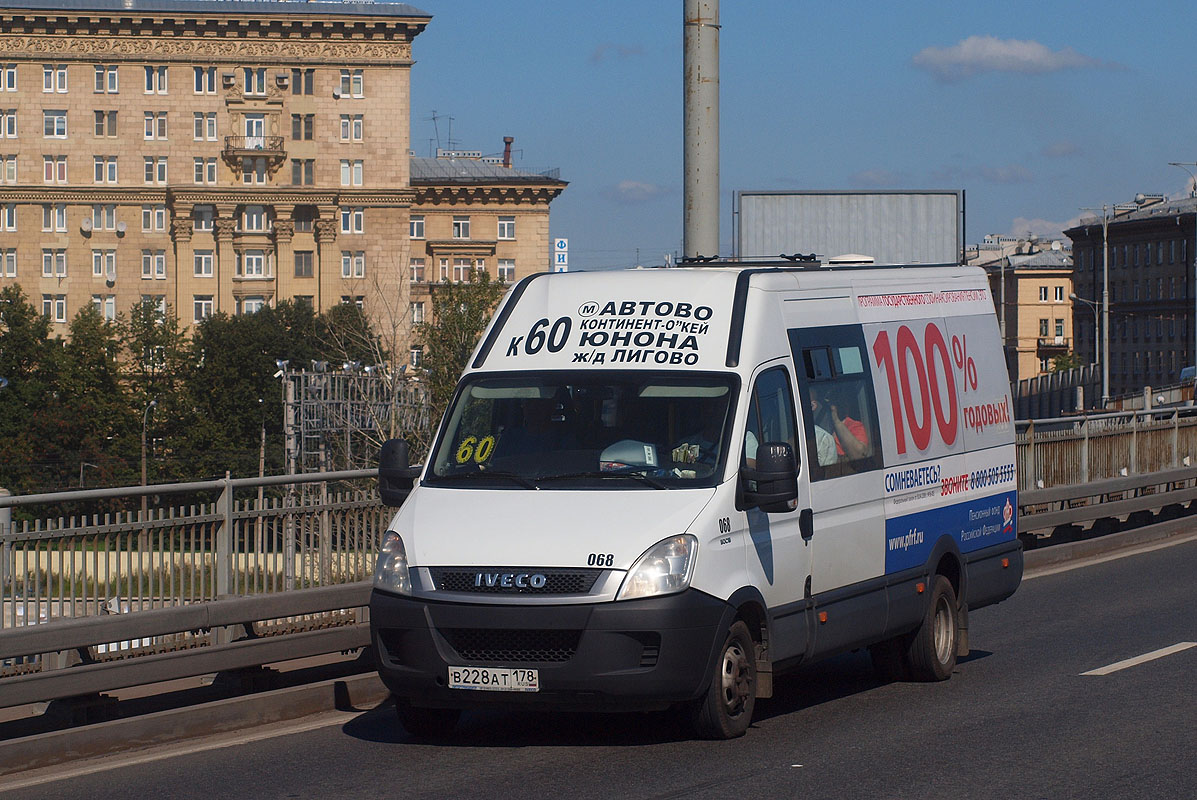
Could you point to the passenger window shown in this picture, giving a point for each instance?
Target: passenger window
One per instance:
(770, 415)
(838, 404)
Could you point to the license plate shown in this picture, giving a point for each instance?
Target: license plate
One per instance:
(492, 679)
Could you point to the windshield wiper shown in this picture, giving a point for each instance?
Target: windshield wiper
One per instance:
(605, 475)
(492, 473)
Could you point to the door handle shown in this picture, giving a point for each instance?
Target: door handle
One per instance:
(806, 524)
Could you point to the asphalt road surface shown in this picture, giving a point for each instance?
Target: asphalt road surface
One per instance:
(1018, 719)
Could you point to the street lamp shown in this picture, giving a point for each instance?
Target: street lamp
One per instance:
(1092, 307)
(83, 464)
(145, 418)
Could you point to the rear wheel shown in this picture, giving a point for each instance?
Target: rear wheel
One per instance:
(931, 654)
(725, 711)
(426, 723)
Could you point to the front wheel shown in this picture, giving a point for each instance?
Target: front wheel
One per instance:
(931, 654)
(725, 710)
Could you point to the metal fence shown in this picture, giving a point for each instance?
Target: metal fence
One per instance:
(233, 537)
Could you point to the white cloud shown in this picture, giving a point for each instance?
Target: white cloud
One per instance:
(1061, 149)
(878, 179)
(979, 54)
(635, 192)
(1043, 228)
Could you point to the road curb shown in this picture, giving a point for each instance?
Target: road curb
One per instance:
(1054, 554)
(221, 716)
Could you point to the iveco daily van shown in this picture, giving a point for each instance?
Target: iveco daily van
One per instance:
(662, 488)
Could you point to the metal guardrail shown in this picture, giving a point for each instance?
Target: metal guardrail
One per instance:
(237, 582)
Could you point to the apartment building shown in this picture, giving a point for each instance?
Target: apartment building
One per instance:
(210, 156)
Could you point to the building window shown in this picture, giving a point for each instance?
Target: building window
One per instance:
(253, 170)
(415, 226)
(105, 123)
(204, 126)
(205, 170)
(1045, 364)
(351, 127)
(461, 227)
(416, 355)
(417, 312)
(1058, 294)
(506, 227)
(303, 171)
(103, 217)
(155, 125)
(155, 80)
(1042, 294)
(106, 80)
(8, 77)
(353, 264)
(305, 301)
(444, 268)
(461, 269)
(54, 78)
(155, 169)
(54, 307)
(8, 262)
(54, 263)
(255, 80)
(54, 169)
(254, 219)
(205, 263)
(351, 83)
(205, 80)
(203, 216)
(54, 217)
(416, 266)
(202, 304)
(1043, 323)
(8, 168)
(153, 264)
(8, 217)
(54, 123)
(254, 264)
(153, 218)
(1059, 327)
(351, 172)
(302, 126)
(303, 81)
(104, 169)
(353, 220)
(304, 263)
(506, 270)
(252, 305)
(8, 123)
(351, 300)
(105, 306)
(304, 218)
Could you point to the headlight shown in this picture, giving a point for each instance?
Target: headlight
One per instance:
(391, 572)
(664, 569)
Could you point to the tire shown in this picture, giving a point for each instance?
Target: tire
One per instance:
(431, 724)
(931, 654)
(725, 710)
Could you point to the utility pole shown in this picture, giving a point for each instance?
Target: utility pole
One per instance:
(700, 40)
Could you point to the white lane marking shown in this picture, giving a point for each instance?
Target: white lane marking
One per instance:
(1043, 572)
(1134, 662)
(171, 750)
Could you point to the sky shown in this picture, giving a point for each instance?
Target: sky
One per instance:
(1036, 109)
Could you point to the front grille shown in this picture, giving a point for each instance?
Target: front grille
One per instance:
(558, 580)
(512, 646)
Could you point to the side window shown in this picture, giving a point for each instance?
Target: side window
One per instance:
(838, 403)
(770, 414)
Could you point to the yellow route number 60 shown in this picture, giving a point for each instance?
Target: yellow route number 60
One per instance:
(474, 448)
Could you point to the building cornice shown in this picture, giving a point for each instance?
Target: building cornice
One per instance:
(467, 195)
(141, 38)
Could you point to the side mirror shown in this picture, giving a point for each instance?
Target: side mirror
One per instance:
(395, 476)
(773, 484)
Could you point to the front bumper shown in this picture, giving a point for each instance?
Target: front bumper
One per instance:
(631, 655)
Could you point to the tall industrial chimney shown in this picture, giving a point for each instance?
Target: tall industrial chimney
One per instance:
(700, 41)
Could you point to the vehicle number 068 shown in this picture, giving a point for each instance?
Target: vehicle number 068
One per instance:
(600, 560)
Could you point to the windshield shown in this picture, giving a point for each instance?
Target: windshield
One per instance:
(595, 429)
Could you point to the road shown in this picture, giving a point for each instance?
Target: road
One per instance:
(1018, 719)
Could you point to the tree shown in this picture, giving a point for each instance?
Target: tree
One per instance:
(28, 366)
(1066, 361)
(460, 313)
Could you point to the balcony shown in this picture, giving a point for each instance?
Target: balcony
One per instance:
(238, 148)
(1054, 343)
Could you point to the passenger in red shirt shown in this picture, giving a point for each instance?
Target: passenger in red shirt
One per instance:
(851, 439)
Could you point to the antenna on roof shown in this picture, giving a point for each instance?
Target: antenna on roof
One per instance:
(800, 257)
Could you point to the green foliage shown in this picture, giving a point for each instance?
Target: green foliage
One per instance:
(460, 313)
(1066, 361)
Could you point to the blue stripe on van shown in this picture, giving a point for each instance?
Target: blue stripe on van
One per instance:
(974, 524)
